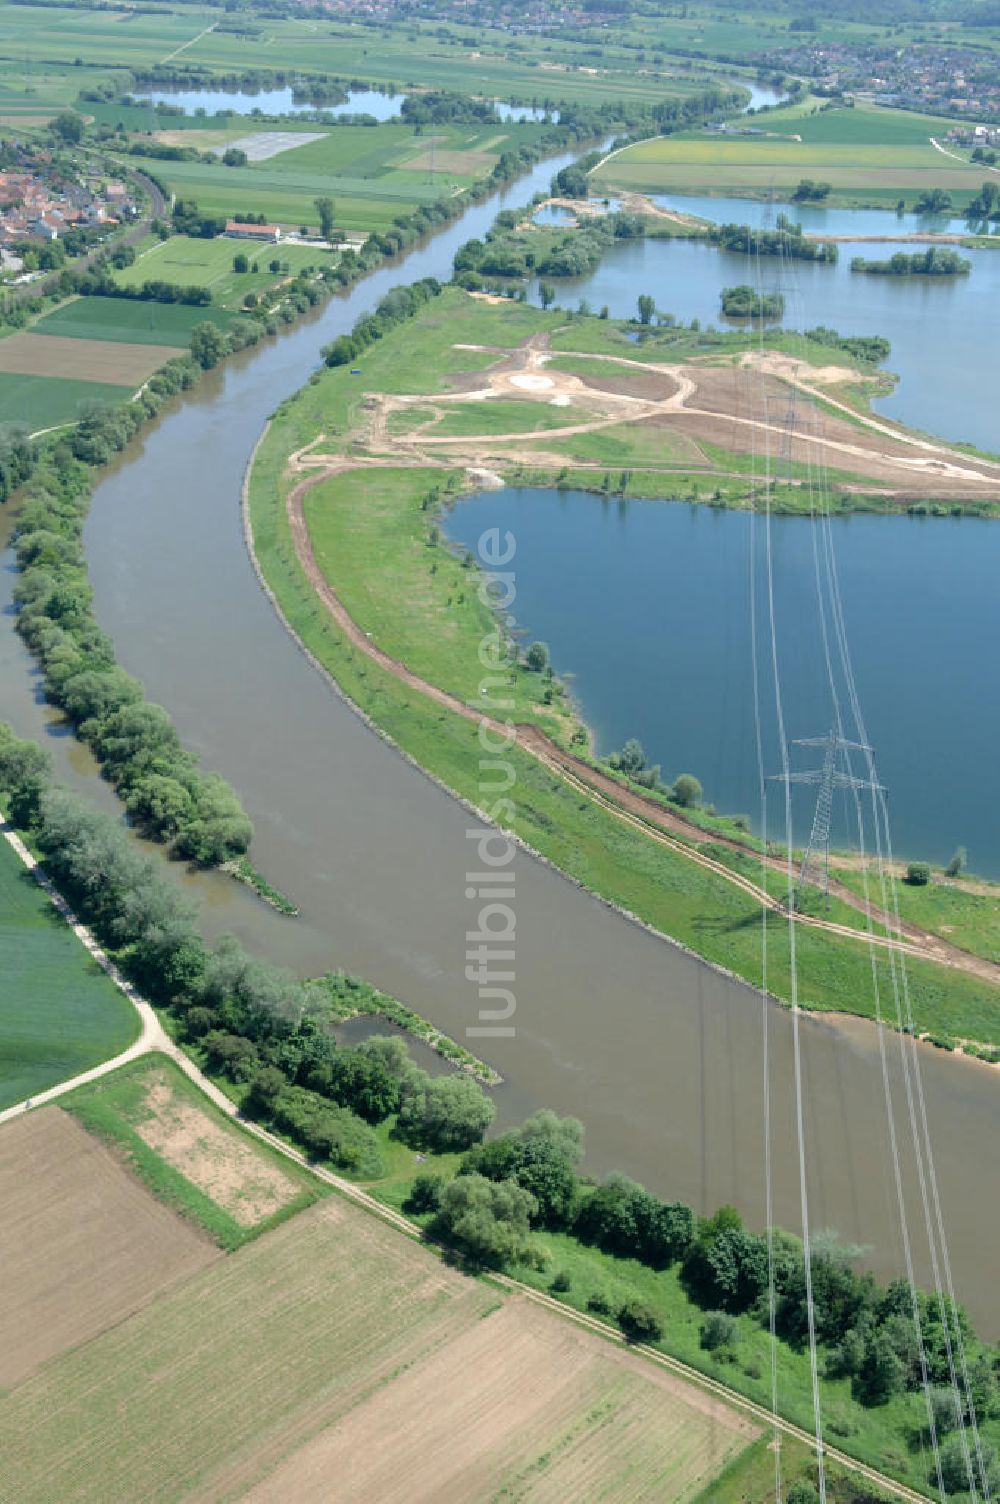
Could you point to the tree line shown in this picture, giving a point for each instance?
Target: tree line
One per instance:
(256, 1024)
(270, 1034)
(936, 261)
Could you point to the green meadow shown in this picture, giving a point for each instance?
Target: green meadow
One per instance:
(123, 321)
(60, 1013)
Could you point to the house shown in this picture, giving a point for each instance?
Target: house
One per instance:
(236, 230)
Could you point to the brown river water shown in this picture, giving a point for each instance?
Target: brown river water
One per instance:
(659, 1055)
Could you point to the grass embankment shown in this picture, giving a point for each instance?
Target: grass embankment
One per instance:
(411, 597)
(964, 910)
(871, 157)
(189, 1154)
(61, 1014)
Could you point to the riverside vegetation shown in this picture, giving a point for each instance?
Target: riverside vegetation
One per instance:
(423, 608)
(694, 1285)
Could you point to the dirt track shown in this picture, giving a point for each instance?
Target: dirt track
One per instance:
(626, 804)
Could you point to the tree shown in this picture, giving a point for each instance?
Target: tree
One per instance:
(686, 790)
(68, 126)
(265, 1089)
(234, 156)
(240, 263)
(546, 294)
(325, 210)
(647, 308)
(488, 1222)
(541, 1156)
(208, 344)
(274, 266)
(957, 862)
(537, 657)
(918, 874)
(425, 1195)
(24, 775)
(445, 1112)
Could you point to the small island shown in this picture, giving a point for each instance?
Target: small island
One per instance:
(744, 302)
(934, 262)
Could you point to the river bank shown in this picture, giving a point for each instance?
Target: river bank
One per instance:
(377, 856)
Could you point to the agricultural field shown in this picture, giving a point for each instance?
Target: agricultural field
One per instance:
(193, 262)
(40, 402)
(869, 156)
(371, 173)
(189, 1154)
(78, 359)
(124, 321)
(61, 1014)
(333, 1346)
(83, 1244)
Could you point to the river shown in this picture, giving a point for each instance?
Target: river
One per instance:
(658, 1054)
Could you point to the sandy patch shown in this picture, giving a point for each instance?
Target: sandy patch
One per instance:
(529, 383)
(222, 1164)
(82, 1244)
(261, 146)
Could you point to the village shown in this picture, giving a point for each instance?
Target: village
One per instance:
(43, 201)
(959, 81)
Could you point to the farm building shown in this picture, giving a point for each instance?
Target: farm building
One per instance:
(236, 230)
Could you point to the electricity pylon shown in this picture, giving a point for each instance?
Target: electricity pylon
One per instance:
(828, 777)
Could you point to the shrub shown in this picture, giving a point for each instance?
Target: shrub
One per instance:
(425, 1195)
(561, 1282)
(719, 1332)
(599, 1304)
(639, 1322)
(918, 874)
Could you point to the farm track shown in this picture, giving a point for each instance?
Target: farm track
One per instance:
(881, 928)
(154, 1038)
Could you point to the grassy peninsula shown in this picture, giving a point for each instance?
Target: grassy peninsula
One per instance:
(396, 443)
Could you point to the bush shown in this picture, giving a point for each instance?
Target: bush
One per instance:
(719, 1332)
(444, 1112)
(639, 1322)
(918, 874)
(686, 791)
(561, 1282)
(599, 1304)
(425, 1195)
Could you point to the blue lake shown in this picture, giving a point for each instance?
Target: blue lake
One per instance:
(934, 324)
(647, 606)
(384, 106)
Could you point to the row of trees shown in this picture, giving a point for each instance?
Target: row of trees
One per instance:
(527, 1178)
(786, 240)
(398, 305)
(936, 261)
(256, 1024)
(166, 792)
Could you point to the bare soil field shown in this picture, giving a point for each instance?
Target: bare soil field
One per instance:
(82, 359)
(226, 1167)
(210, 1387)
(82, 1244)
(523, 1406)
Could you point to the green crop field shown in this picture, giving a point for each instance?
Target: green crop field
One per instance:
(60, 1013)
(123, 321)
(867, 155)
(371, 174)
(209, 263)
(46, 401)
